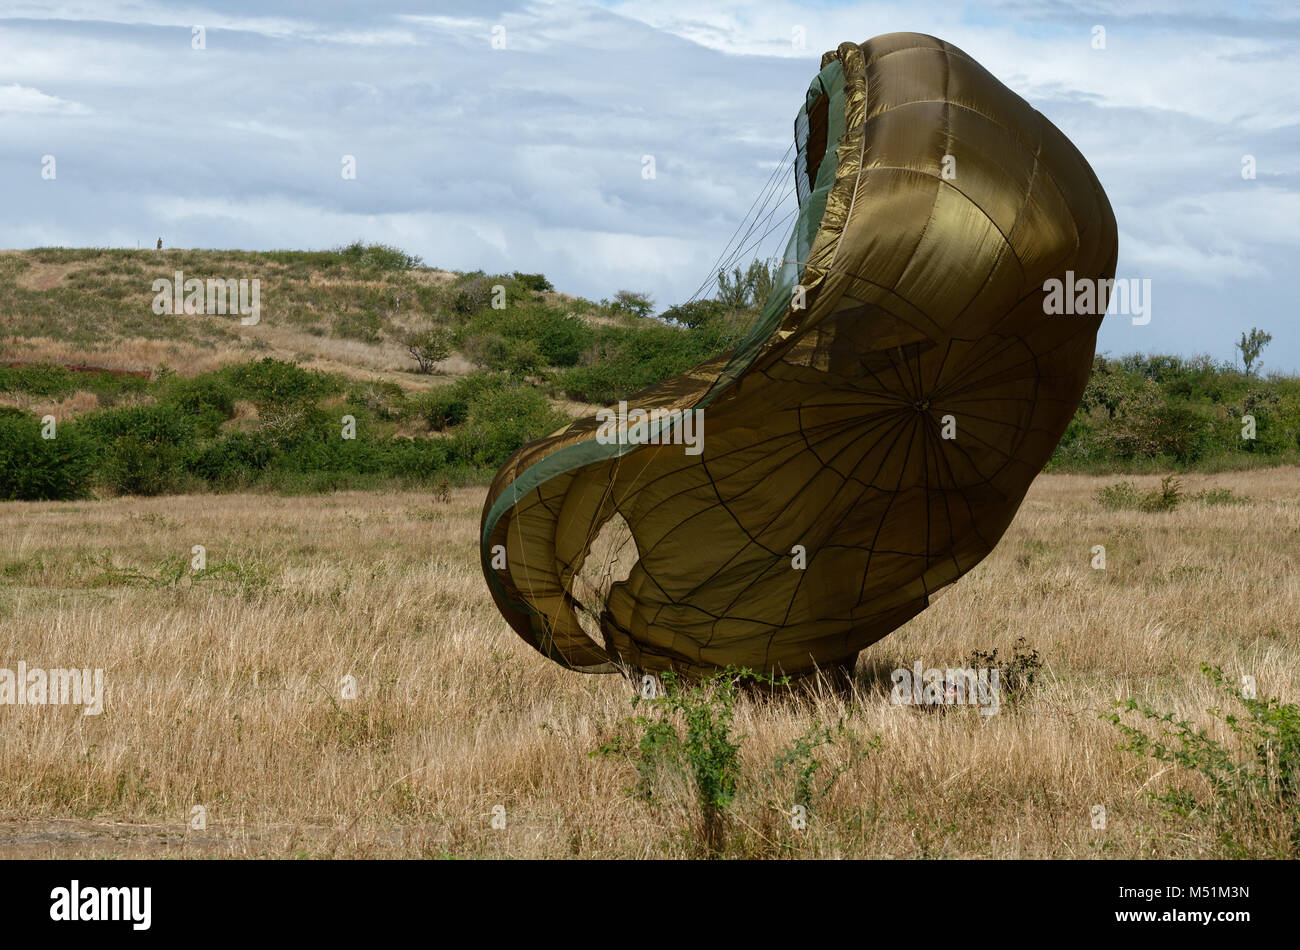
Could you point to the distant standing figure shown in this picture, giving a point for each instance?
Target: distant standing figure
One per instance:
(160, 244)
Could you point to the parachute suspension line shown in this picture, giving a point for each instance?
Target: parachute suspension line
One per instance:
(766, 212)
(738, 255)
(770, 187)
(780, 222)
(756, 209)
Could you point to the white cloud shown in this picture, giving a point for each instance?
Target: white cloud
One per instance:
(1145, 65)
(17, 99)
(530, 158)
(1186, 262)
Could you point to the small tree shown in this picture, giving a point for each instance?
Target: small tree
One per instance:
(534, 282)
(428, 347)
(732, 291)
(630, 300)
(472, 293)
(746, 289)
(694, 313)
(1251, 345)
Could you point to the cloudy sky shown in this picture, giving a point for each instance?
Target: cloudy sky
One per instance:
(530, 157)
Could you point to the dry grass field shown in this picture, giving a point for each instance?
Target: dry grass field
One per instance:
(224, 689)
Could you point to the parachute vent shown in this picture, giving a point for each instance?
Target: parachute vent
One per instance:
(609, 561)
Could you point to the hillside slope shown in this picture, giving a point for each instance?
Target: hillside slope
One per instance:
(158, 385)
(443, 374)
(322, 310)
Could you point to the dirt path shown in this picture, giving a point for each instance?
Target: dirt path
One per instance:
(44, 276)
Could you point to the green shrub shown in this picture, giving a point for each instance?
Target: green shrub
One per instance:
(42, 379)
(471, 294)
(687, 731)
(1125, 496)
(289, 425)
(142, 449)
(630, 301)
(686, 755)
(37, 469)
(394, 458)
(133, 466)
(1252, 782)
(1119, 497)
(359, 325)
(559, 338)
(383, 400)
(442, 407)
(1165, 498)
(626, 359)
(748, 288)
(381, 257)
(1149, 424)
(491, 351)
(799, 761)
(602, 384)
(237, 458)
(271, 382)
(418, 459)
(48, 381)
(696, 313)
(1107, 387)
(534, 282)
(502, 420)
(1277, 424)
(1145, 411)
(209, 400)
(523, 358)
(1220, 496)
(429, 346)
(1015, 675)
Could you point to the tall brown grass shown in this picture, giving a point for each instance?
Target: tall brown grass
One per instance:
(224, 688)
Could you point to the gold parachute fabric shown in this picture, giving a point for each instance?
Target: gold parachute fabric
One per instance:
(885, 416)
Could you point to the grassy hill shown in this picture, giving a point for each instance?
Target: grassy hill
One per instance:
(148, 403)
(442, 375)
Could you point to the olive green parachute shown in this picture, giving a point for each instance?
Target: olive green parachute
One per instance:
(869, 441)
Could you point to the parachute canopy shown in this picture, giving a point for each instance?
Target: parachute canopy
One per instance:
(786, 504)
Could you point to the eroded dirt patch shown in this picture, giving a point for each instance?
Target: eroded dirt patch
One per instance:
(44, 276)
